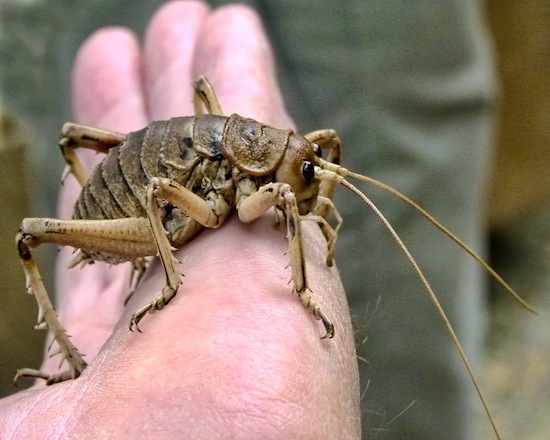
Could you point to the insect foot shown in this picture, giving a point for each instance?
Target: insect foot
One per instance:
(49, 378)
(157, 304)
(310, 304)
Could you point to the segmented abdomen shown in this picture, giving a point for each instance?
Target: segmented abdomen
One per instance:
(173, 149)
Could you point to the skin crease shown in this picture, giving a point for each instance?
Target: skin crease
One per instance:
(235, 354)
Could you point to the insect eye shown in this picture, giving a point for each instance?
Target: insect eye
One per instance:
(308, 171)
(317, 150)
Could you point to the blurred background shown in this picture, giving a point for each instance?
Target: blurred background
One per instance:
(35, 59)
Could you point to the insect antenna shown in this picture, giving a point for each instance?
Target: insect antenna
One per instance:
(343, 172)
(430, 293)
(334, 173)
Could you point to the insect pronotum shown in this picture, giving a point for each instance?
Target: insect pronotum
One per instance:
(157, 187)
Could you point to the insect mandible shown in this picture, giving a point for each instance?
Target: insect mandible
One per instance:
(157, 187)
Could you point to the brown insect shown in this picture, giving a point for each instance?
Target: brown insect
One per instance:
(157, 187)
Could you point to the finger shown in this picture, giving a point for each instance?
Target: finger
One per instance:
(168, 50)
(234, 53)
(106, 82)
(106, 91)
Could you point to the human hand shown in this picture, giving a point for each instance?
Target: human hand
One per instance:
(234, 354)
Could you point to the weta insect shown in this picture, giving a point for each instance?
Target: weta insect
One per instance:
(159, 186)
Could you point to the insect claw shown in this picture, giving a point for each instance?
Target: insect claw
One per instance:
(136, 317)
(329, 327)
(330, 332)
(134, 323)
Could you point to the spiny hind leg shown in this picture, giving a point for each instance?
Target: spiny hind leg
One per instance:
(205, 95)
(47, 320)
(131, 235)
(281, 195)
(75, 136)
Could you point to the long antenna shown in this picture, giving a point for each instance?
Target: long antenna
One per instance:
(343, 172)
(431, 295)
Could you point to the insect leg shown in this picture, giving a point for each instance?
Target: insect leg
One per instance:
(47, 319)
(327, 139)
(80, 136)
(204, 94)
(128, 239)
(330, 233)
(281, 195)
(196, 208)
